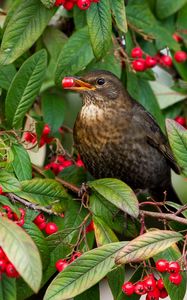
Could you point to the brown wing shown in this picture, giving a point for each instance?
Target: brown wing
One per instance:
(155, 137)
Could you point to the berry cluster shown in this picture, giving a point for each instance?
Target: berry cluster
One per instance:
(173, 268)
(42, 224)
(6, 266)
(13, 216)
(31, 137)
(69, 4)
(59, 163)
(181, 120)
(141, 64)
(150, 286)
(61, 264)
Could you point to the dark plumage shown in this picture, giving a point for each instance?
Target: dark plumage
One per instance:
(117, 137)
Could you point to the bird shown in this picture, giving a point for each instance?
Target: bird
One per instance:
(117, 137)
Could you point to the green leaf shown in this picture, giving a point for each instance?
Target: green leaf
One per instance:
(149, 101)
(8, 182)
(91, 294)
(166, 8)
(21, 163)
(53, 110)
(177, 135)
(118, 193)
(42, 191)
(181, 22)
(100, 27)
(79, 17)
(147, 245)
(5, 201)
(7, 73)
(21, 250)
(83, 273)
(7, 288)
(23, 29)
(116, 279)
(70, 61)
(24, 88)
(103, 233)
(175, 292)
(140, 16)
(48, 3)
(118, 11)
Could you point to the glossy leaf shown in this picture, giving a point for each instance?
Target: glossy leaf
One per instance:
(118, 11)
(147, 245)
(83, 273)
(103, 233)
(22, 251)
(8, 182)
(48, 3)
(7, 74)
(118, 193)
(7, 288)
(100, 27)
(24, 88)
(24, 27)
(168, 7)
(21, 163)
(42, 191)
(177, 135)
(140, 16)
(91, 294)
(53, 110)
(70, 61)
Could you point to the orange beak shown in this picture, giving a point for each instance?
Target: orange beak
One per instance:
(75, 84)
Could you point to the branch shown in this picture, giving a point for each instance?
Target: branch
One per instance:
(171, 217)
(66, 184)
(34, 206)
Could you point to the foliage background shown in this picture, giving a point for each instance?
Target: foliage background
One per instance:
(41, 44)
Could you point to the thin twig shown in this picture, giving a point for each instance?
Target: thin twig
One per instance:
(34, 206)
(171, 217)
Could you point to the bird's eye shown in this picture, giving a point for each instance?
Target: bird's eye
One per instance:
(100, 81)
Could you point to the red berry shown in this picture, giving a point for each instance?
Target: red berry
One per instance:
(42, 225)
(59, 2)
(163, 294)
(75, 255)
(20, 222)
(139, 288)
(68, 82)
(11, 271)
(149, 283)
(51, 228)
(7, 208)
(83, 4)
(30, 137)
(166, 60)
(176, 37)
(175, 278)
(68, 5)
(162, 265)
(153, 295)
(46, 130)
(3, 263)
(128, 288)
(61, 264)
(180, 56)
(160, 284)
(1, 190)
(174, 267)
(2, 253)
(139, 65)
(136, 52)
(181, 120)
(22, 211)
(150, 62)
(39, 219)
(90, 227)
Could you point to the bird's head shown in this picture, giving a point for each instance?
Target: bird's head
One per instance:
(97, 87)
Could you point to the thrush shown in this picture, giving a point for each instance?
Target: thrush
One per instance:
(117, 138)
